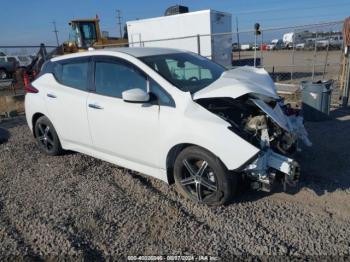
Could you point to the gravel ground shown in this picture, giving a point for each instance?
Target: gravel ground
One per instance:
(75, 205)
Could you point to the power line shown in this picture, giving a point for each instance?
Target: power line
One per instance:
(56, 32)
(119, 22)
(278, 9)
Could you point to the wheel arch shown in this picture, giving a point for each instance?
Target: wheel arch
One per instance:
(35, 118)
(172, 155)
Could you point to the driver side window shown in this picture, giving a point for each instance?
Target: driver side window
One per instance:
(187, 71)
(113, 78)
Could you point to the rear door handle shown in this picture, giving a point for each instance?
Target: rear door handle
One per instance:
(94, 106)
(51, 95)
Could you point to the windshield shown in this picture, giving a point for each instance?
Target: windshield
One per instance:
(83, 34)
(188, 72)
(88, 32)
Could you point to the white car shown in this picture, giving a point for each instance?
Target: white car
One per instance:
(300, 46)
(276, 44)
(167, 113)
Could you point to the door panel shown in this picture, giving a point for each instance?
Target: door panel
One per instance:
(66, 93)
(67, 111)
(125, 130)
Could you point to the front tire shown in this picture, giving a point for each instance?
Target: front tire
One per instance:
(47, 137)
(202, 177)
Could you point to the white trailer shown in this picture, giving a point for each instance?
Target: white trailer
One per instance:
(185, 28)
(288, 39)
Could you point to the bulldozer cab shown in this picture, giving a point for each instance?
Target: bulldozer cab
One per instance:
(85, 32)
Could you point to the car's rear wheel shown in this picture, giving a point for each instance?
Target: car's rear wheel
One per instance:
(46, 137)
(202, 177)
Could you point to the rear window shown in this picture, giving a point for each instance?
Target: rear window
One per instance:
(72, 73)
(75, 75)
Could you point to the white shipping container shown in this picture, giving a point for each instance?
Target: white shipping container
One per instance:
(157, 32)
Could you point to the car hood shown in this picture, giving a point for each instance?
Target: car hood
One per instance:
(238, 82)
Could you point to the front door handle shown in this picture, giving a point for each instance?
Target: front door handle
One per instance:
(94, 106)
(51, 95)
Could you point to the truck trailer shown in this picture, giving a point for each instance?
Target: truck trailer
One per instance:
(199, 32)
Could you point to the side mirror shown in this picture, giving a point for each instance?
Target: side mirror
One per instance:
(135, 95)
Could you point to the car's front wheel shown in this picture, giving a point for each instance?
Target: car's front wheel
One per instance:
(202, 177)
(47, 137)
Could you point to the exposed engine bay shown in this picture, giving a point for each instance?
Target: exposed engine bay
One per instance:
(270, 125)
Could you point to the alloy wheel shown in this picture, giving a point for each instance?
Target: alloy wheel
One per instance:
(45, 136)
(198, 179)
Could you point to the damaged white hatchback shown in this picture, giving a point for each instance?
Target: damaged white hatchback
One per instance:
(170, 114)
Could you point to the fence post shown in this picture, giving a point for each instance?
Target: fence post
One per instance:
(238, 43)
(255, 43)
(326, 59)
(198, 44)
(315, 51)
(293, 53)
(261, 51)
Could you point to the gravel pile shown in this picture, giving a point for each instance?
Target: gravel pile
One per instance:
(77, 205)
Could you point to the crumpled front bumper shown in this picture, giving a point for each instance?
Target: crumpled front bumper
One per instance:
(269, 165)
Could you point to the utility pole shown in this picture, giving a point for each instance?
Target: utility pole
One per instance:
(56, 32)
(119, 22)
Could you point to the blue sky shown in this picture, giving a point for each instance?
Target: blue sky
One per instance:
(24, 22)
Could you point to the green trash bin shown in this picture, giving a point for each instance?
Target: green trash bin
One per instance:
(316, 99)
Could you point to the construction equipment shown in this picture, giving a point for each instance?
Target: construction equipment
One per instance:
(85, 34)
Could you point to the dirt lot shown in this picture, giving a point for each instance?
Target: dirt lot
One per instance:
(281, 62)
(77, 205)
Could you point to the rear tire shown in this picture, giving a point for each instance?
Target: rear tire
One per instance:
(202, 177)
(47, 137)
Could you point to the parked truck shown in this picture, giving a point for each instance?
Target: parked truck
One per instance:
(191, 31)
(7, 69)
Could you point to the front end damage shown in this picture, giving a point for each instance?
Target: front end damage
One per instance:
(267, 123)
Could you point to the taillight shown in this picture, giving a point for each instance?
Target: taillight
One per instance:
(28, 88)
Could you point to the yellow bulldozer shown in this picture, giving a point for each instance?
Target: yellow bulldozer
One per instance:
(86, 33)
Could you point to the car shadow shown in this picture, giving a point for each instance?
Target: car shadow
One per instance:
(6, 124)
(13, 122)
(325, 166)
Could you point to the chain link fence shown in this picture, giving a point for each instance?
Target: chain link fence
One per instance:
(294, 54)
(290, 54)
